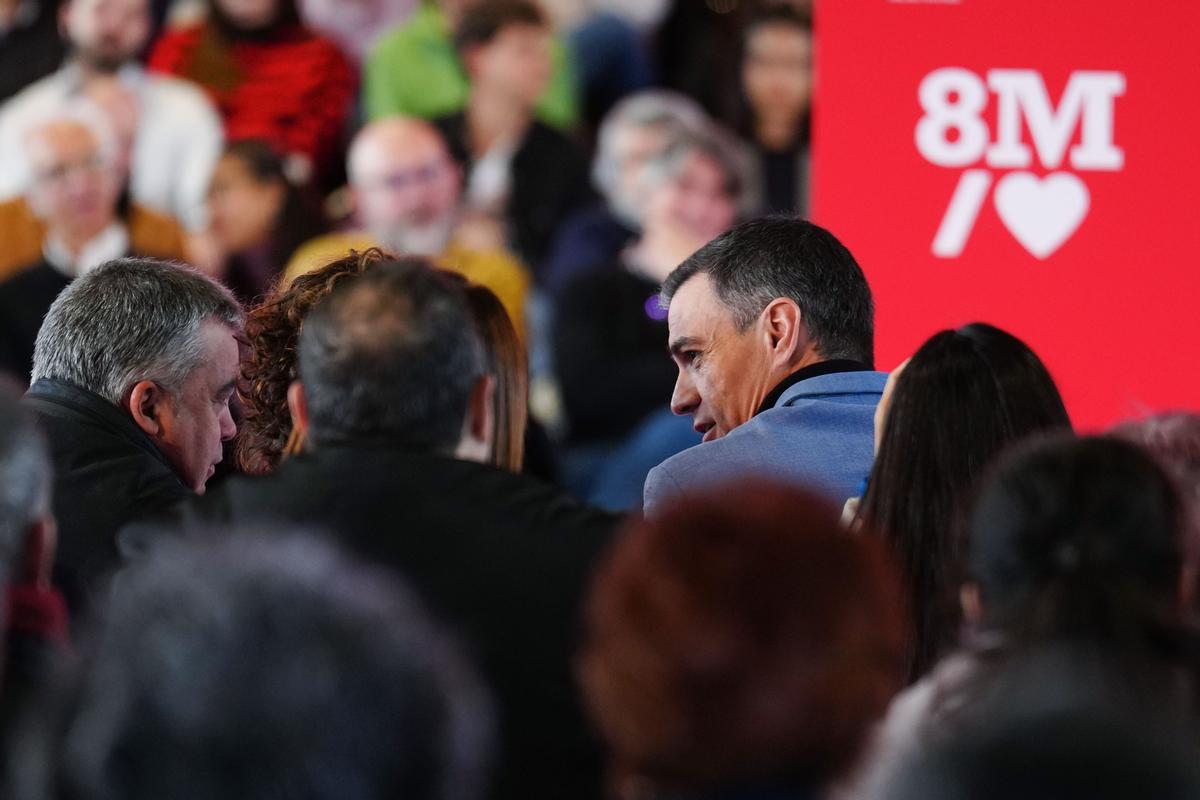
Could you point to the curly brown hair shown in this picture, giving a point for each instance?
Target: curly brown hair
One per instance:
(272, 331)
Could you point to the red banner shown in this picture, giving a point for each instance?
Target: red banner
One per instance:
(1027, 163)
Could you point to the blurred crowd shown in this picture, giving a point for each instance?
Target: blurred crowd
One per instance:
(449, 400)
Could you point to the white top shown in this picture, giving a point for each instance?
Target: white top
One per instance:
(110, 243)
(179, 139)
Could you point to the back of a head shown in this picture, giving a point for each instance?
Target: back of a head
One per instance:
(392, 354)
(129, 320)
(261, 667)
(1078, 540)
(25, 481)
(742, 638)
(964, 397)
(777, 256)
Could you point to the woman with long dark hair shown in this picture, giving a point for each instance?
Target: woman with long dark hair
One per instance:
(962, 398)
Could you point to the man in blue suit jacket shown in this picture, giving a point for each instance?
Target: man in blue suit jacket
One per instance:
(772, 329)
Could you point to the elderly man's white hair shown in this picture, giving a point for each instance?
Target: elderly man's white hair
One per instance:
(78, 111)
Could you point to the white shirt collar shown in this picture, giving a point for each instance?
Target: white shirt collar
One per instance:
(110, 243)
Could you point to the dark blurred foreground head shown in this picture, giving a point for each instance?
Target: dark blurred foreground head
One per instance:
(741, 639)
(256, 667)
(1026, 748)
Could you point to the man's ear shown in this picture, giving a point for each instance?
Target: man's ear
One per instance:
(479, 426)
(146, 404)
(41, 543)
(783, 325)
(298, 408)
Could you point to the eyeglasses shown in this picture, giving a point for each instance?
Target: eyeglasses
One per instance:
(59, 173)
(407, 179)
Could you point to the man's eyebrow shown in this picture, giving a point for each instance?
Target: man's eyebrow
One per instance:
(682, 343)
(229, 387)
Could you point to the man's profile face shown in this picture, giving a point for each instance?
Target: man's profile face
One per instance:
(724, 374)
(107, 33)
(196, 420)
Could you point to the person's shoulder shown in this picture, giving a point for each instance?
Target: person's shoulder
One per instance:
(174, 45)
(34, 97)
(321, 250)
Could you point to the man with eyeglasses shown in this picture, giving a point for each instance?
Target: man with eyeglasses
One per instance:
(74, 192)
(407, 192)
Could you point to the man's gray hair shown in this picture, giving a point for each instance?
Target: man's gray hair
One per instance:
(130, 320)
(25, 478)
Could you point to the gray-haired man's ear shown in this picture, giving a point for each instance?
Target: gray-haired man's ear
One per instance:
(145, 405)
(479, 427)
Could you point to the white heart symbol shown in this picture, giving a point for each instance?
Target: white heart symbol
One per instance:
(1042, 213)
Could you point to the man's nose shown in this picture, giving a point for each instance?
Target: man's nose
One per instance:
(685, 398)
(228, 426)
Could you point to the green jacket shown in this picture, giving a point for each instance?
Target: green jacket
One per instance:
(414, 71)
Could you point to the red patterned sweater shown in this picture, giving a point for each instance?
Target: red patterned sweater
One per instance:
(295, 92)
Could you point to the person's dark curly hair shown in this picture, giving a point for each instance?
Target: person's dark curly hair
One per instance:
(272, 331)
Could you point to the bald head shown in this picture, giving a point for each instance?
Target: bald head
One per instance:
(406, 186)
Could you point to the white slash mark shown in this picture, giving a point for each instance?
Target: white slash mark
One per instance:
(962, 212)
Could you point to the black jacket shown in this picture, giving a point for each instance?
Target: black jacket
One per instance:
(107, 473)
(503, 559)
(24, 300)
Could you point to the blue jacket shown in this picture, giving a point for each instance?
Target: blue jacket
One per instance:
(821, 434)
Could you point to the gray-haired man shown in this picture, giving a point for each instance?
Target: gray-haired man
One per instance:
(133, 372)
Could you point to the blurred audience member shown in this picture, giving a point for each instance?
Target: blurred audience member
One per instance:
(396, 410)
(261, 666)
(106, 111)
(178, 133)
(31, 46)
(259, 218)
(73, 203)
(34, 614)
(1173, 440)
(415, 70)
(772, 330)
(609, 53)
(407, 193)
(777, 82)
(517, 168)
(270, 77)
(698, 50)
(609, 326)
(965, 396)
(741, 646)
(1075, 559)
(356, 25)
(635, 130)
(133, 372)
